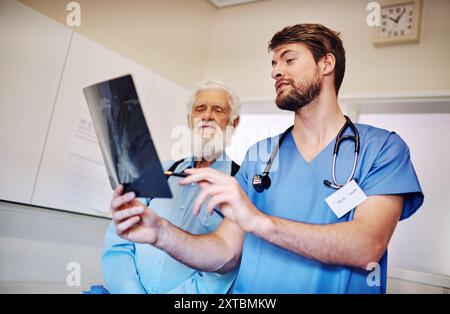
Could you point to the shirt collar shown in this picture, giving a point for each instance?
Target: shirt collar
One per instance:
(222, 163)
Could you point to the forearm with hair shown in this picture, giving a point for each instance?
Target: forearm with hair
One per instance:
(355, 243)
(347, 243)
(207, 252)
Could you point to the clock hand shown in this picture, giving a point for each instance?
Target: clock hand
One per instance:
(398, 17)
(393, 20)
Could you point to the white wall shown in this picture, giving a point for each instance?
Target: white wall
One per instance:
(36, 244)
(170, 37)
(421, 243)
(46, 66)
(27, 54)
(238, 51)
(189, 40)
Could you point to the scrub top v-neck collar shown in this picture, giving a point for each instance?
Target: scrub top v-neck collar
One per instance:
(291, 141)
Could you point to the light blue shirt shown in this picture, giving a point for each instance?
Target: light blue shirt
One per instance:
(141, 268)
(297, 193)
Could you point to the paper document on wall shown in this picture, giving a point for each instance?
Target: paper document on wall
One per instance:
(85, 180)
(84, 142)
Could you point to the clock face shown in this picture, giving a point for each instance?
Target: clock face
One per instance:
(397, 20)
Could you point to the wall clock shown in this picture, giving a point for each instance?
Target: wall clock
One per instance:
(399, 23)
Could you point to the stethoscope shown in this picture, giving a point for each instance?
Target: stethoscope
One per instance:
(262, 181)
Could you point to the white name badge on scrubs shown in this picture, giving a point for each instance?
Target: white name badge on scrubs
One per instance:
(346, 198)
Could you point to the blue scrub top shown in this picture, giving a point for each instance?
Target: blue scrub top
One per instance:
(297, 193)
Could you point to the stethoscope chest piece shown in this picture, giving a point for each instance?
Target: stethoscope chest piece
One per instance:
(261, 182)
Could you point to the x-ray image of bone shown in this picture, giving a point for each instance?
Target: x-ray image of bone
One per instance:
(127, 171)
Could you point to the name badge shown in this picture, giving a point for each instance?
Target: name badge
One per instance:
(346, 198)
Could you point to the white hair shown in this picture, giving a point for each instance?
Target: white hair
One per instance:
(234, 103)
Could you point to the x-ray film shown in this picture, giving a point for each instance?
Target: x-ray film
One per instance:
(128, 151)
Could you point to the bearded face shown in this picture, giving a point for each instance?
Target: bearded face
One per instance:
(210, 124)
(209, 139)
(295, 96)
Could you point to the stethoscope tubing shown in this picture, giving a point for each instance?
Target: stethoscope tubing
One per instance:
(339, 139)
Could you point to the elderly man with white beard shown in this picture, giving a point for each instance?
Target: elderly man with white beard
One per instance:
(128, 267)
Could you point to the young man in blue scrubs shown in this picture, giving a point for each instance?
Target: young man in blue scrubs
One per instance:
(130, 267)
(291, 237)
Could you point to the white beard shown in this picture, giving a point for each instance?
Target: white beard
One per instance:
(209, 143)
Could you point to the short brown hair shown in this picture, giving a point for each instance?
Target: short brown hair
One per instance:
(320, 40)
